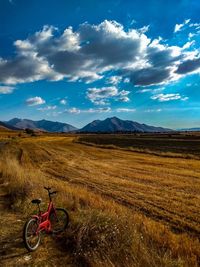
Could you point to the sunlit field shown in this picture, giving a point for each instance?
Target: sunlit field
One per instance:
(133, 200)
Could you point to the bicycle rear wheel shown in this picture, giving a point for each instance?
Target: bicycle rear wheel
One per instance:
(59, 220)
(30, 236)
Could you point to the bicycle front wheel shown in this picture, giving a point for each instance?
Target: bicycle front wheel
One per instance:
(59, 220)
(30, 236)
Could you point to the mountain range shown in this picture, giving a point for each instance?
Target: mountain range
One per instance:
(196, 129)
(115, 124)
(42, 125)
(6, 126)
(109, 125)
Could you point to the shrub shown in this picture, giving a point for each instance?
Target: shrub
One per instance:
(29, 131)
(98, 237)
(18, 181)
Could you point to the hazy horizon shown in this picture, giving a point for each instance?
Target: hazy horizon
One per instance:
(82, 125)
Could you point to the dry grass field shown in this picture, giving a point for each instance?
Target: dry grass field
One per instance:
(133, 200)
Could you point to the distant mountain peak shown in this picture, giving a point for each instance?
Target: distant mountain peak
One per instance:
(44, 125)
(6, 126)
(114, 124)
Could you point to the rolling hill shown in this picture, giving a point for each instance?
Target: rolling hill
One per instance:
(115, 124)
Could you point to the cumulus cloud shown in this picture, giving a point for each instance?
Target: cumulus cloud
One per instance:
(168, 97)
(92, 50)
(150, 76)
(34, 101)
(6, 89)
(110, 44)
(190, 65)
(102, 95)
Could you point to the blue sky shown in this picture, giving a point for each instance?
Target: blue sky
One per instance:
(76, 61)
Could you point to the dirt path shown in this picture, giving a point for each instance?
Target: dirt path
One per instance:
(12, 250)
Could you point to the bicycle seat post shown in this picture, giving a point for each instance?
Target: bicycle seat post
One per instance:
(39, 208)
(49, 196)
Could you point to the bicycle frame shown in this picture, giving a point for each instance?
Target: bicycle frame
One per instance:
(44, 223)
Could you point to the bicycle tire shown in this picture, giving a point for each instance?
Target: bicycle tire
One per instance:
(60, 222)
(26, 240)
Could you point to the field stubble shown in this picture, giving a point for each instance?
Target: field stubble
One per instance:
(158, 198)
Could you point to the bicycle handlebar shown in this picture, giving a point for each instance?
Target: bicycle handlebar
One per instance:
(47, 188)
(50, 193)
(54, 192)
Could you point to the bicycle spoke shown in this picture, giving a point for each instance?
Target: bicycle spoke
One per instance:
(31, 236)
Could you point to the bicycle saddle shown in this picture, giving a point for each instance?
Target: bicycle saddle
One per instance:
(36, 201)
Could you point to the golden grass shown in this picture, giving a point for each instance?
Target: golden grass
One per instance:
(140, 207)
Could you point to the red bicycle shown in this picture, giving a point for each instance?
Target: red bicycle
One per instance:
(54, 220)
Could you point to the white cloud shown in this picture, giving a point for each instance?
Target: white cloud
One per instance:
(124, 99)
(187, 21)
(150, 90)
(101, 96)
(97, 110)
(73, 110)
(86, 54)
(144, 29)
(90, 110)
(34, 101)
(146, 90)
(178, 27)
(114, 80)
(126, 80)
(190, 35)
(6, 89)
(188, 44)
(195, 25)
(47, 108)
(153, 110)
(168, 97)
(63, 101)
(125, 109)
